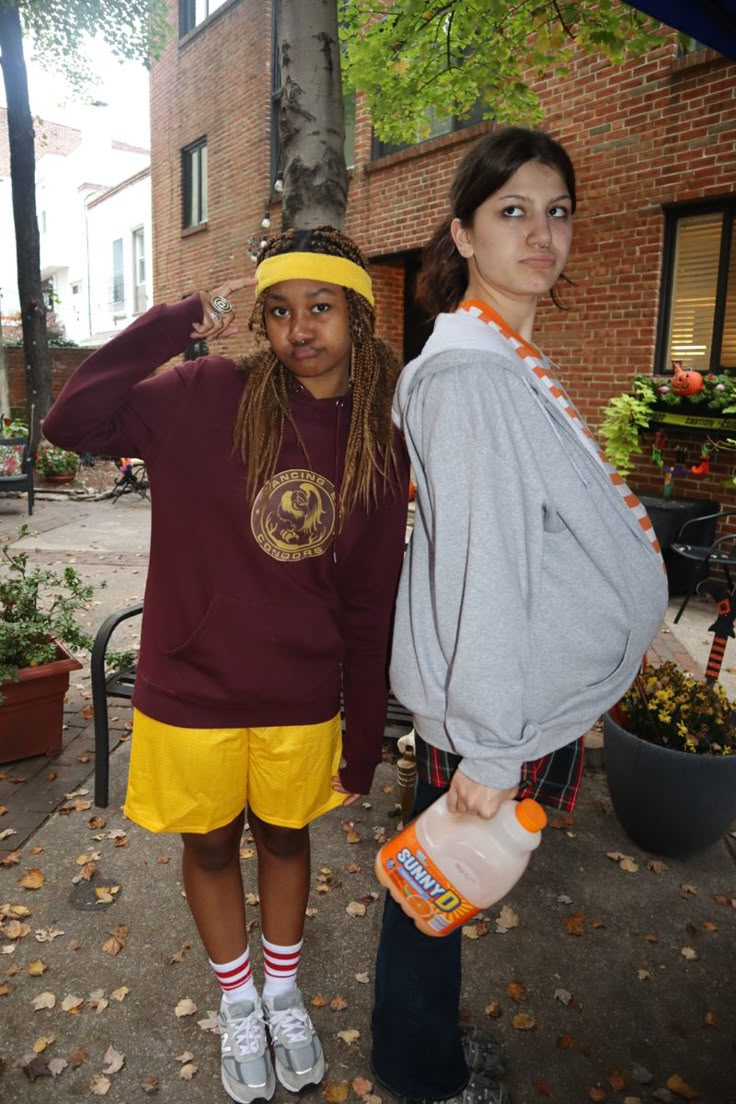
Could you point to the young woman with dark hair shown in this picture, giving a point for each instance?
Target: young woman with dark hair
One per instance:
(279, 499)
(533, 583)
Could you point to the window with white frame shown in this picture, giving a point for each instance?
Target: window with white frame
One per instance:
(118, 276)
(194, 183)
(139, 270)
(698, 315)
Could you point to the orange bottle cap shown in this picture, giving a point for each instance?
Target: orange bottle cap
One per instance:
(531, 815)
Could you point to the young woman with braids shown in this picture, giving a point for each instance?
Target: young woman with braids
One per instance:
(533, 583)
(279, 499)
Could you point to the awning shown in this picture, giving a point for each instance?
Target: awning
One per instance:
(712, 22)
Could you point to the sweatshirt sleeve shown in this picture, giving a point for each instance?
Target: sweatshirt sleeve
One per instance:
(367, 578)
(486, 542)
(108, 406)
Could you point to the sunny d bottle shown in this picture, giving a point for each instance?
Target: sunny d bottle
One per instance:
(445, 867)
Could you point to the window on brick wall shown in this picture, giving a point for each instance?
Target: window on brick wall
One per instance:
(194, 12)
(438, 125)
(194, 183)
(698, 315)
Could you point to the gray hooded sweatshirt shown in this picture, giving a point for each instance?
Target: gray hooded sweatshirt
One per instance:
(529, 592)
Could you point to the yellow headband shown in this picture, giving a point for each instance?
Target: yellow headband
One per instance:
(314, 266)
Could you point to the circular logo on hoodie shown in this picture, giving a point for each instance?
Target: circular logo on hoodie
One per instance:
(293, 516)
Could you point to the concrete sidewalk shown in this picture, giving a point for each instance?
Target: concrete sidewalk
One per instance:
(618, 977)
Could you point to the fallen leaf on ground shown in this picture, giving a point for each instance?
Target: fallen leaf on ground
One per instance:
(476, 930)
(507, 918)
(349, 1036)
(41, 1043)
(353, 868)
(57, 1066)
(12, 858)
(596, 1094)
(15, 929)
(338, 1003)
(7, 833)
(689, 953)
(99, 1085)
(361, 1086)
(563, 996)
(120, 993)
(680, 1087)
(45, 935)
(43, 1000)
(575, 923)
(335, 1092)
(515, 989)
(188, 1071)
(37, 967)
(151, 1085)
(185, 1007)
(355, 908)
(617, 1080)
(113, 1061)
(115, 942)
(362, 978)
(318, 1001)
(711, 1019)
(72, 1004)
(523, 1021)
(33, 879)
(78, 1057)
(351, 836)
(252, 899)
(493, 1010)
(37, 1067)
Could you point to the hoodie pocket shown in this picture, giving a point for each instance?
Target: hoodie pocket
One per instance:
(241, 654)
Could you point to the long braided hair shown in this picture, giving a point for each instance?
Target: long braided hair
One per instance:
(264, 409)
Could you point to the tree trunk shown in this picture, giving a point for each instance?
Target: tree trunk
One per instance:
(311, 121)
(23, 178)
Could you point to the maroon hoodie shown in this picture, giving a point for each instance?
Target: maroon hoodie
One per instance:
(254, 609)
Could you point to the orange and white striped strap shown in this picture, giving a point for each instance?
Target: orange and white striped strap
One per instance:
(532, 359)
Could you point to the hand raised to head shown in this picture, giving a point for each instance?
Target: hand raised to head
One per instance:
(218, 314)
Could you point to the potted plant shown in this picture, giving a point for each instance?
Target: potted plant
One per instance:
(38, 617)
(670, 754)
(56, 465)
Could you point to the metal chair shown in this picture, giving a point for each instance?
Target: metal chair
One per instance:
(119, 684)
(15, 457)
(721, 553)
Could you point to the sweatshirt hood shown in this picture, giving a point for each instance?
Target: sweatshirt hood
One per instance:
(452, 332)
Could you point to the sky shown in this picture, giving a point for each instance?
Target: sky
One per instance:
(124, 87)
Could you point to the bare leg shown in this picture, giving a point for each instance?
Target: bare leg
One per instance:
(283, 879)
(214, 887)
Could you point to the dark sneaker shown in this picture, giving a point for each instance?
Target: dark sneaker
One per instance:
(479, 1090)
(247, 1069)
(482, 1051)
(297, 1051)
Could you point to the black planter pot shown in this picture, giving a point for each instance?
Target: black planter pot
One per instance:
(669, 802)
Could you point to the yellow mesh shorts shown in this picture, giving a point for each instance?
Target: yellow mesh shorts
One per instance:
(199, 779)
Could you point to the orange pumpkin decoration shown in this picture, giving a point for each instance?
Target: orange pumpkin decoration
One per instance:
(686, 382)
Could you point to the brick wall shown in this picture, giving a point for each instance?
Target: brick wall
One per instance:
(63, 362)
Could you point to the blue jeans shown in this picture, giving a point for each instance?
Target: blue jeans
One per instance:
(417, 1048)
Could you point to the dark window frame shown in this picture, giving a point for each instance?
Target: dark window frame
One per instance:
(188, 15)
(673, 215)
(191, 158)
(381, 149)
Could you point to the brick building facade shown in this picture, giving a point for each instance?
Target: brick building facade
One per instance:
(655, 135)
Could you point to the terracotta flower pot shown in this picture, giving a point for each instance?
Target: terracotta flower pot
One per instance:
(669, 802)
(59, 477)
(32, 714)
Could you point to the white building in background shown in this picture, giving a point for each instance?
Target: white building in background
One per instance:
(93, 201)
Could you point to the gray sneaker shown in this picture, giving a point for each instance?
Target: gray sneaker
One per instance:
(482, 1051)
(479, 1090)
(297, 1051)
(247, 1070)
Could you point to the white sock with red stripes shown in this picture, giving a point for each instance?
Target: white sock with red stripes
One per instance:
(280, 965)
(236, 978)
